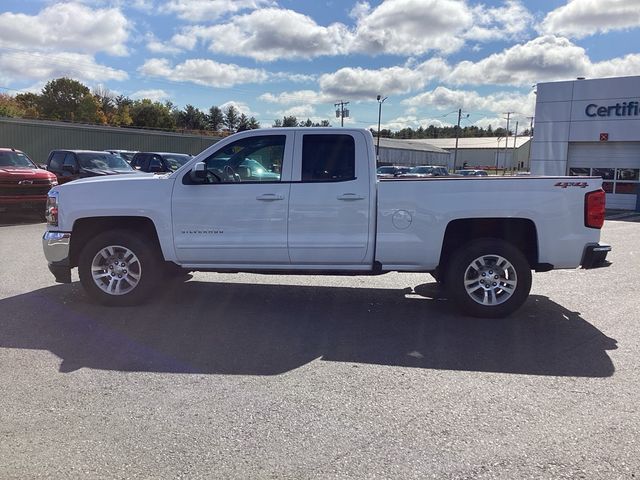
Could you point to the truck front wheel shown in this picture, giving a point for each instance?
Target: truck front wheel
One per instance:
(118, 268)
(488, 278)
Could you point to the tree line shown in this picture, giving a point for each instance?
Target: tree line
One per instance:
(447, 132)
(69, 100)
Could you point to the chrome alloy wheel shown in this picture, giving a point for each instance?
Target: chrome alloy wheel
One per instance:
(490, 280)
(116, 270)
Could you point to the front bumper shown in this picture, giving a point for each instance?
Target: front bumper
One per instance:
(595, 256)
(56, 251)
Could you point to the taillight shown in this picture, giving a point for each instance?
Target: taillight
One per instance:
(594, 203)
(51, 212)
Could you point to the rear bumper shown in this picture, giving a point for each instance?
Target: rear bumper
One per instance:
(56, 250)
(595, 256)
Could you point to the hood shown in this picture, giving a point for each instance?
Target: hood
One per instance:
(21, 173)
(107, 171)
(106, 179)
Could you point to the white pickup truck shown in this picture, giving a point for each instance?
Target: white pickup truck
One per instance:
(308, 201)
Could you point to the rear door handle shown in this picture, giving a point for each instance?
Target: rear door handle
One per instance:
(269, 197)
(350, 196)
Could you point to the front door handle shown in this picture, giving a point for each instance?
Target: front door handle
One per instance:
(269, 197)
(350, 197)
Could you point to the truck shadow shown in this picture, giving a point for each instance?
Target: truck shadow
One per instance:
(251, 329)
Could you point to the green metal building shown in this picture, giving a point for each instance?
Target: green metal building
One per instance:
(38, 137)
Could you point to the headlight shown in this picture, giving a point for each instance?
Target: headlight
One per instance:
(51, 212)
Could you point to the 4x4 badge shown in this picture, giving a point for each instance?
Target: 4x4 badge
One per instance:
(571, 184)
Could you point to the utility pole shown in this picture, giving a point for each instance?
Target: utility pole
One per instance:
(515, 139)
(380, 102)
(342, 112)
(530, 140)
(455, 152)
(506, 142)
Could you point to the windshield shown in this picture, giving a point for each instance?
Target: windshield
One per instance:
(387, 170)
(426, 170)
(104, 161)
(15, 159)
(175, 161)
(128, 156)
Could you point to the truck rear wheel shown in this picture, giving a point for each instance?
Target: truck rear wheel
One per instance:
(118, 268)
(488, 278)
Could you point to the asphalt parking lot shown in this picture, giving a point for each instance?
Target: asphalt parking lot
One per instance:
(256, 376)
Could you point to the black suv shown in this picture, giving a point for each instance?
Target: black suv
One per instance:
(159, 162)
(73, 164)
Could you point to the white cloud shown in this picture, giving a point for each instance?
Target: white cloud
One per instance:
(443, 98)
(272, 33)
(546, 58)
(67, 27)
(398, 27)
(156, 46)
(38, 66)
(494, 122)
(310, 97)
(510, 21)
(616, 67)
(240, 106)
(203, 72)
(581, 18)
(209, 10)
(293, 77)
(360, 10)
(361, 83)
(411, 27)
(398, 123)
(155, 95)
(301, 112)
(436, 122)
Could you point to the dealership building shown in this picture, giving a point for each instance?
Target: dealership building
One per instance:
(591, 127)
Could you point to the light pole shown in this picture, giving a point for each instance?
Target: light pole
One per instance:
(380, 102)
(455, 153)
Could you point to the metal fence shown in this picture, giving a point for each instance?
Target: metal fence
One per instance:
(38, 137)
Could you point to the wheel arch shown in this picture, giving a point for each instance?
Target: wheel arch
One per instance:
(520, 232)
(86, 228)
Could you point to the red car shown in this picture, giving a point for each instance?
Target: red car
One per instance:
(23, 185)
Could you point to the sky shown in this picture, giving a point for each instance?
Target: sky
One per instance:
(272, 58)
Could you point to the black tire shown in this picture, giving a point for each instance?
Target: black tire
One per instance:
(501, 300)
(148, 265)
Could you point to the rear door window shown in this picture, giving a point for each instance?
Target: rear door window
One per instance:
(328, 158)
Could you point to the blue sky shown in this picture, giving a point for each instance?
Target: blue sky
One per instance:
(280, 57)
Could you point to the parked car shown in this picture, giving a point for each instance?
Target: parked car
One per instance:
(70, 165)
(23, 185)
(159, 162)
(391, 171)
(126, 154)
(327, 213)
(472, 173)
(426, 171)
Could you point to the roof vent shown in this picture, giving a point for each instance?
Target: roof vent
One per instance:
(580, 78)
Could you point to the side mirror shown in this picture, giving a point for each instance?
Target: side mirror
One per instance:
(155, 168)
(69, 169)
(199, 172)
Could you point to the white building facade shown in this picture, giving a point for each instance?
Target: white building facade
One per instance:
(591, 127)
